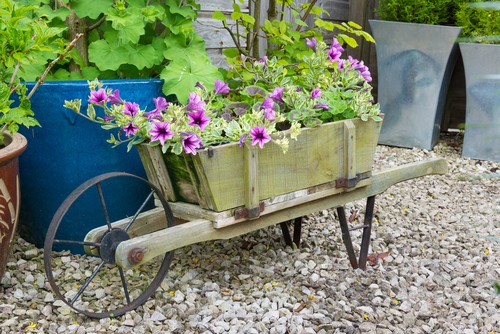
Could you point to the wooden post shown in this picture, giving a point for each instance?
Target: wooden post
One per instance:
(349, 150)
(154, 165)
(251, 184)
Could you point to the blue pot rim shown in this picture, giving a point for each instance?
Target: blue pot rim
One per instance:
(106, 82)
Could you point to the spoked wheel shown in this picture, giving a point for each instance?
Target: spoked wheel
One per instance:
(81, 270)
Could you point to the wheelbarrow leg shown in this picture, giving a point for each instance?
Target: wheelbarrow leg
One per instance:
(365, 239)
(297, 229)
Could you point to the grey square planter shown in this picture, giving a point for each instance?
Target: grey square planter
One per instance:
(482, 115)
(415, 62)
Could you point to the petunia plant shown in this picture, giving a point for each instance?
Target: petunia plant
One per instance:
(254, 110)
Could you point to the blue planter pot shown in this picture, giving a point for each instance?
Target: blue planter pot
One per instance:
(414, 64)
(482, 115)
(67, 151)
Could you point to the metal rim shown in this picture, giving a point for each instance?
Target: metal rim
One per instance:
(114, 237)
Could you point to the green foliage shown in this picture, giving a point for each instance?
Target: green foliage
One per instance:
(497, 287)
(268, 101)
(438, 12)
(479, 24)
(285, 37)
(128, 39)
(23, 42)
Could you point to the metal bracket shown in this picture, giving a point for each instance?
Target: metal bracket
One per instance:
(352, 182)
(249, 213)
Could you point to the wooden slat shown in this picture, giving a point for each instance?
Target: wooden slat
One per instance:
(200, 230)
(349, 149)
(147, 222)
(222, 5)
(156, 171)
(317, 157)
(250, 179)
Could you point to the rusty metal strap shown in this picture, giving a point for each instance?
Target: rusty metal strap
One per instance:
(352, 182)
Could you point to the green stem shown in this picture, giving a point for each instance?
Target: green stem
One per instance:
(306, 14)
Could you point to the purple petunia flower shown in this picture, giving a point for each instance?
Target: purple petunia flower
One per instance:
(269, 114)
(316, 93)
(277, 94)
(114, 98)
(221, 87)
(195, 103)
(190, 142)
(108, 118)
(130, 129)
(130, 108)
(322, 106)
(161, 131)
(98, 96)
(298, 89)
(335, 51)
(259, 136)
(199, 119)
(268, 103)
(160, 103)
(199, 85)
(153, 114)
(311, 43)
(365, 72)
(263, 60)
(361, 67)
(243, 137)
(341, 64)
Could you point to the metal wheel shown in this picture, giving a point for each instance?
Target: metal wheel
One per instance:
(83, 273)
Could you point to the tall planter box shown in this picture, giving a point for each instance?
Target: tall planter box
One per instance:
(482, 115)
(336, 154)
(415, 63)
(67, 150)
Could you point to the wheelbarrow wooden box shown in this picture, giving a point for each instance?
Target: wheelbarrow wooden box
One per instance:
(228, 176)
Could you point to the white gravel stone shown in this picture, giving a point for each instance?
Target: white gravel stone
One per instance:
(442, 234)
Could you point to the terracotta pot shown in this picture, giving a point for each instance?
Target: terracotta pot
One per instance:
(9, 193)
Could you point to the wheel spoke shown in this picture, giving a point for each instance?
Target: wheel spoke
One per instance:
(74, 288)
(124, 283)
(86, 284)
(103, 203)
(78, 243)
(139, 210)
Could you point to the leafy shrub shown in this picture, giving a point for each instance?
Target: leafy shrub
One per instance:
(437, 12)
(479, 22)
(128, 39)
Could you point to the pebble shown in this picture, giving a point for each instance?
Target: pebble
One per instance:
(437, 277)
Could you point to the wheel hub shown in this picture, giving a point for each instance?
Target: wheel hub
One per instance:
(110, 242)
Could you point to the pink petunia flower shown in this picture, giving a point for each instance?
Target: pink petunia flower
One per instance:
(161, 131)
(190, 142)
(259, 136)
(199, 119)
(98, 96)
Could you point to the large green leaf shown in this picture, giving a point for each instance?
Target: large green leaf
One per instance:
(89, 8)
(177, 46)
(130, 25)
(182, 74)
(184, 10)
(142, 56)
(106, 56)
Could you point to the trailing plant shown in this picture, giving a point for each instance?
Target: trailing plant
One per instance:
(328, 88)
(130, 39)
(480, 21)
(284, 36)
(437, 12)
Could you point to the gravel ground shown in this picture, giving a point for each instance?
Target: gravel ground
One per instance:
(438, 238)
